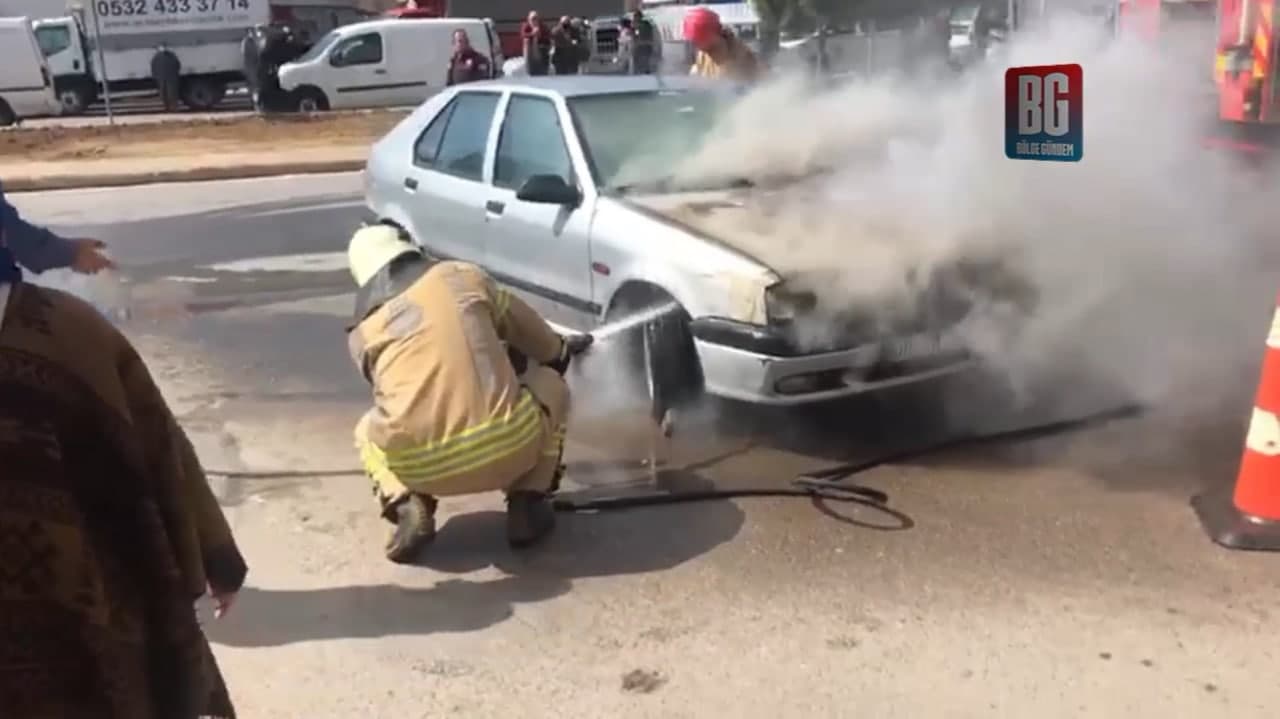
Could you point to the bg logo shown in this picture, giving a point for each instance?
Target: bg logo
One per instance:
(1044, 113)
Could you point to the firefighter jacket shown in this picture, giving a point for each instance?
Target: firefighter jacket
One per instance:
(739, 64)
(447, 401)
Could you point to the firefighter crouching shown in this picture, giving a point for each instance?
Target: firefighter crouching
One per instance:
(450, 414)
(720, 53)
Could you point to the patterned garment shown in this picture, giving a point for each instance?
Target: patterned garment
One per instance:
(104, 528)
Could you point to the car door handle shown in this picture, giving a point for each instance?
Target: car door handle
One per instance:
(410, 183)
(379, 72)
(495, 207)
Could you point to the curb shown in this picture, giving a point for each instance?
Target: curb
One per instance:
(190, 174)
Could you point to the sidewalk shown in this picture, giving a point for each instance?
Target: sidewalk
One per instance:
(58, 158)
(64, 175)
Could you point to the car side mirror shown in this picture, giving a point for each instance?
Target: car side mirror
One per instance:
(549, 190)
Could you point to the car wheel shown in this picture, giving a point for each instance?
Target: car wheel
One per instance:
(7, 115)
(75, 100)
(663, 363)
(202, 95)
(310, 100)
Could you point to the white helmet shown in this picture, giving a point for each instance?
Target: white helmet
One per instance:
(372, 247)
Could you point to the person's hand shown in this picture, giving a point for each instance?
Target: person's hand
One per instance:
(222, 602)
(571, 346)
(576, 344)
(88, 258)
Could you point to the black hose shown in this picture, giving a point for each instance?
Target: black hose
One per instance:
(818, 485)
(829, 483)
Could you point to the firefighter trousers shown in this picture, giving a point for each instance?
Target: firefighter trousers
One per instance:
(533, 467)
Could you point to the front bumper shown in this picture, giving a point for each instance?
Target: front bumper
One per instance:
(750, 365)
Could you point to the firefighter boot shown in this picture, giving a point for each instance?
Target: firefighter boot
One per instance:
(530, 518)
(415, 520)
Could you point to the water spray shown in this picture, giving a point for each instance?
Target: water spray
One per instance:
(616, 327)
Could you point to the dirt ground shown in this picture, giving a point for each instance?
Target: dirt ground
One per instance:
(194, 137)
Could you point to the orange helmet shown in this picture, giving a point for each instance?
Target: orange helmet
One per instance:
(701, 26)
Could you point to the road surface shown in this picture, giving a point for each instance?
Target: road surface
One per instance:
(1061, 578)
(145, 108)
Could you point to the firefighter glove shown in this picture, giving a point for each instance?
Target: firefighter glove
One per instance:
(570, 347)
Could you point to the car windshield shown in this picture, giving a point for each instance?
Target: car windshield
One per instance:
(319, 48)
(636, 140)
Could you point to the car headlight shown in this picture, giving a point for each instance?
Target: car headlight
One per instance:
(783, 304)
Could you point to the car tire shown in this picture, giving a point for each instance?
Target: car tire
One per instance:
(202, 95)
(310, 100)
(663, 363)
(7, 115)
(74, 100)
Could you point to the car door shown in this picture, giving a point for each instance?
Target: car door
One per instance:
(540, 246)
(446, 177)
(360, 76)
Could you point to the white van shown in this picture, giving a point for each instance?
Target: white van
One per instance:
(26, 86)
(386, 62)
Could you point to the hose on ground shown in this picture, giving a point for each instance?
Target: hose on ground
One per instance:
(818, 485)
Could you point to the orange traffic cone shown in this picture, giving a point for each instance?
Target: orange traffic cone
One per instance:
(1249, 516)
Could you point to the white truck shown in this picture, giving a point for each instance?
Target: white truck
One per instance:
(204, 34)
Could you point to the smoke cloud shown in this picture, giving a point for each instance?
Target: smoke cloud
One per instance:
(1144, 258)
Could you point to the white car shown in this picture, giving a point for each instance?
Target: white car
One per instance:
(521, 176)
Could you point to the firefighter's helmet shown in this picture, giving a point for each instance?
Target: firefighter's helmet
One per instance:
(373, 247)
(701, 26)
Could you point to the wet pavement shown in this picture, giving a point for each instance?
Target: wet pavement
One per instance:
(1060, 577)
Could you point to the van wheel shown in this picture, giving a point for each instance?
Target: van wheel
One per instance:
(75, 100)
(310, 99)
(202, 95)
(7, 115)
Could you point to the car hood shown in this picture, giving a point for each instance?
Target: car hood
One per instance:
(727, 217)
(745, 221)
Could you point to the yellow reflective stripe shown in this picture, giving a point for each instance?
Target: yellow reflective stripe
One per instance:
(490, 446)
(501, 304)
(517, 414)
(375, 464)
(462, 465)
(474, 447)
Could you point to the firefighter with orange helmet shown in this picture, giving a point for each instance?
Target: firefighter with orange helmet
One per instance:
(720, 53)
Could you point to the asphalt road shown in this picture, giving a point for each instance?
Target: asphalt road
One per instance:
(1065, 577)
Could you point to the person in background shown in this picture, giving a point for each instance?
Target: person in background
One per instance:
(111, 531)
(452, 413)
(720, 54)
(254, 69)
(626, 45)
(646, 47)
(279, 45)
(466, 65)
(39, 250)
(536, 39)
(166, 71)
(585, 48)
(566, 47)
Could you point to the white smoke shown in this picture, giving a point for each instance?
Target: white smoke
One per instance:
(1144, 255)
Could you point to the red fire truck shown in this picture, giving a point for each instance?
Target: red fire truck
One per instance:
(1245, 67)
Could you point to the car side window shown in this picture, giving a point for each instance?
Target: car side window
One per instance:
(466, 135)
(531, 143)
(363, 49)
(428, 144)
